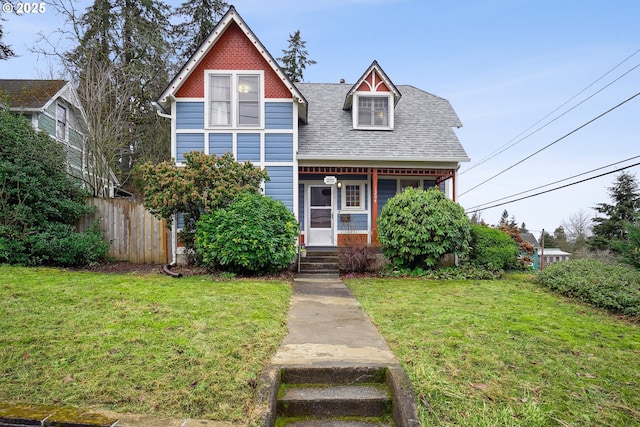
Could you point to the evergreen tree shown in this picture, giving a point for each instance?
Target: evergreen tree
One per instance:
(504, 219)
(610, 227)
(201, 16)
(560, 238)
(295, 59)
(5, 50)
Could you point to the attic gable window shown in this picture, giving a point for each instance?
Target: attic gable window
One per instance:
(235, 100)
(373, 112)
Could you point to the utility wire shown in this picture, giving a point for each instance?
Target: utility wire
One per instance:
(554, 189)
(555, 182)
(550, 144)
(506, 146)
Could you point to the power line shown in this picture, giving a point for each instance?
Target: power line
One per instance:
(555, 182)
(554, 189)
(506, 146)
(550, 144)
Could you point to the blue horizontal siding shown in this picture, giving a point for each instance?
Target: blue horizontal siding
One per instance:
(190, 115)
(278, 115)
(386, 189)
(278, 147)
(280, 187)
(248, 147)
(357, 222)
(186, 142)
(220, 143)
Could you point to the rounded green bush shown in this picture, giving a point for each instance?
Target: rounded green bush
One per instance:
(253, 235)
(417, 227)
(493, 249)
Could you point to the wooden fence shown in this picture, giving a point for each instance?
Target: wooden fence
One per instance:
(135, 234)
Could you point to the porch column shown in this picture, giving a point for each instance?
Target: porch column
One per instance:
(374, 205)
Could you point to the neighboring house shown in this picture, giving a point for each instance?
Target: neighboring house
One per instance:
(335, 153)
(529, 237)
(551, 255)
(53, 107)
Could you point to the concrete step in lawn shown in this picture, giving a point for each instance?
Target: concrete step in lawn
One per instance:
(340, 397)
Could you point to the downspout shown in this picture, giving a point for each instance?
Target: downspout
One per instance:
(174, 258)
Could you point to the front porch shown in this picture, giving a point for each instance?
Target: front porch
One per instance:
(339, 205)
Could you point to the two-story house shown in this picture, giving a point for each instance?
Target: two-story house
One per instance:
(335, 153)
(53, 107)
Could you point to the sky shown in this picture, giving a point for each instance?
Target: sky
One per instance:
(522, 73)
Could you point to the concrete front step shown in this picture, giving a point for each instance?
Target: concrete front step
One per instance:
(319, 262)
(335, 401)
(334, 422)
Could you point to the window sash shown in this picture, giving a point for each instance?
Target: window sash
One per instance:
(352, 196)
(248, 99)
(220, 99)
(373, 111)
(61, 122)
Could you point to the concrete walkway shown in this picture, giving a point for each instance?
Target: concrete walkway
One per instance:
(328, 327)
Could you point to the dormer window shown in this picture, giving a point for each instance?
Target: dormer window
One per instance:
(372, 100)
(373, 112)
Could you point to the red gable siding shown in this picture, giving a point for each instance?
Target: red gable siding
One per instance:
(367, 84)
(233, 51)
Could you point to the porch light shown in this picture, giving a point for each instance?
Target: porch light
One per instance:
(339, 184)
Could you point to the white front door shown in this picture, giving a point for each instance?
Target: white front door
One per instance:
(320, 222)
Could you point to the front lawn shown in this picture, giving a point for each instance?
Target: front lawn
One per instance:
(189, 347)
(507, 353)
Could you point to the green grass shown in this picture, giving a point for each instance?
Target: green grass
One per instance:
(507, 353)
(189, 347)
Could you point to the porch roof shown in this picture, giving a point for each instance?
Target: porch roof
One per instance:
(422, 130)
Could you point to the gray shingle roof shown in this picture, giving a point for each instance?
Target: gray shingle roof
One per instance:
(422, 129)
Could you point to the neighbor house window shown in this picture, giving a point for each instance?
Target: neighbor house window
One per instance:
(373, 111)
(61, 122)
(234, 99)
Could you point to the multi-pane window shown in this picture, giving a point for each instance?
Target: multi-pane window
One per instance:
(234, 99)
(352, 196)
(61, 122)
(373, 111)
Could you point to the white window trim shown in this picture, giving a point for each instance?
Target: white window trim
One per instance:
(234, 98)
(343, 196)
(65, 122)
(356, 103)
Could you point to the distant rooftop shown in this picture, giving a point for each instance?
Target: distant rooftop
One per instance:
(28, 94)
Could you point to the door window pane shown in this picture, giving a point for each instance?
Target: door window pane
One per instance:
(320, 218)
(320, 196)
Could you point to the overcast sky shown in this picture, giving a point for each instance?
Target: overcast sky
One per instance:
(504, 65)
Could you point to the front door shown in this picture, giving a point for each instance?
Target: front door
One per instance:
(320, 215)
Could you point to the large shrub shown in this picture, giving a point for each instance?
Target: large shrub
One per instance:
(205, 183)
(614, 287)
(254, 234)
(417, 227)
(40, 202)
(492, 248)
